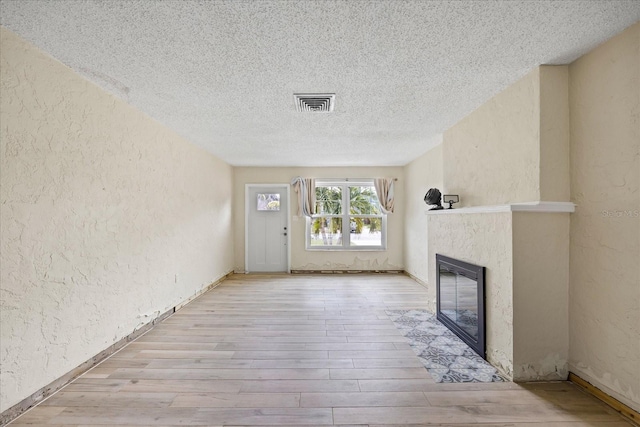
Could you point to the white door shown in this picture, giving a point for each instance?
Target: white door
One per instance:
(267, 228)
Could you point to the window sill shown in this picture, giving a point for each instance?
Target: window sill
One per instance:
(360, 249)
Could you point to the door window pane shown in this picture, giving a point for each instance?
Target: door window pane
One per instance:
(268, 202)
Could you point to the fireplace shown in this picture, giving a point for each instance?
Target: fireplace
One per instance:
(460, 300)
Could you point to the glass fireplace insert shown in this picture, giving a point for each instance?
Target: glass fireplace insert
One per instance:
(460, 300)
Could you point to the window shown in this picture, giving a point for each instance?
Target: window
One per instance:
(348, 217)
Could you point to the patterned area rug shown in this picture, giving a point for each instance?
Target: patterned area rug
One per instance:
(447, 358)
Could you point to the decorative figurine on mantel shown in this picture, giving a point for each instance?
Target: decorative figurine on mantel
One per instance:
(432, 198)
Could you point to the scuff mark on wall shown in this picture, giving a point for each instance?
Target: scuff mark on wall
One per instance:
(496, 359)
(608, 383)
(356, 263)
(109, 83)
(145, 318)
(551, 368)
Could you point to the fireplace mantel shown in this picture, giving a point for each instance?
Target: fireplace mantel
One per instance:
(541, 207)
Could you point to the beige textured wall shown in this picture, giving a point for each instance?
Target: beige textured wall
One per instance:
(554, 133)
(420, 175)
(492, 156)
(483, 239)
(540, 296)
(605, 229)
(515, 147)
(107, 219)
(301, 259)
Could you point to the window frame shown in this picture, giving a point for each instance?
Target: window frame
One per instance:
(346, 218)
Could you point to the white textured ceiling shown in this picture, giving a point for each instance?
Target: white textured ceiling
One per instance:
(223, 73)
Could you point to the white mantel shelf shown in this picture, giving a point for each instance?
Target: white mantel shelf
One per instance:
(540, 207)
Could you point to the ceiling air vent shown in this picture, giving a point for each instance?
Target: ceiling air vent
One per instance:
(315, 102)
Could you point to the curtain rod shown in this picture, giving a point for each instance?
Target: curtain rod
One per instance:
(356, 179)
(348, 179)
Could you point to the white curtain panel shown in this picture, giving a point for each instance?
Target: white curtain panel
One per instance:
(306, 190)
(384, 188)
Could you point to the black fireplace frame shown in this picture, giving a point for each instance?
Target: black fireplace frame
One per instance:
(473, 272)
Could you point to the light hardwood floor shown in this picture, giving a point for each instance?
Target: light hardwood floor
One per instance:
(298, 350)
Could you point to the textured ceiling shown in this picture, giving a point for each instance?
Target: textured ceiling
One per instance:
(223, 73)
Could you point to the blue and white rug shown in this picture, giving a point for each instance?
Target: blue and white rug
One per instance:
(447, 358)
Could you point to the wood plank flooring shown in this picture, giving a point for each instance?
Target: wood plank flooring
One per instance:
(298, 351)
